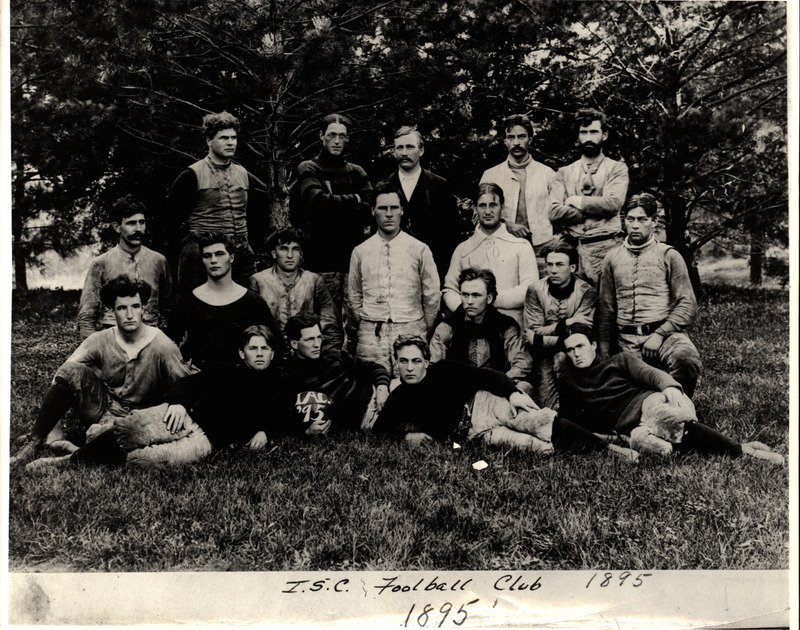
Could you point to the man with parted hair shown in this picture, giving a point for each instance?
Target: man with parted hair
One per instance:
(216, 194)
(129, 366)
(479, 335)
(129, 258)
(526, 186)
(551, 304)
(646, 298)
(430, 213)
(587, 195)
(289, 289)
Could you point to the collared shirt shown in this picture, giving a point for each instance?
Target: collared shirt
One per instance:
(543, 310)
(511, 259)
(394, 281)
(409, 180)
(139, 382)
(146, 265)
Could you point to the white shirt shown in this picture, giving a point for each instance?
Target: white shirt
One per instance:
(408, 180)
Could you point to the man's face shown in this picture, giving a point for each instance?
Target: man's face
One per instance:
(257, 354)
(131, 230)
(217, 261)
(309, 344)
(591, 138)
(407, 151)
(128, 313)
(334, 139)
(489, 211)
(517, 142)
(558, 268)
(288, 256)
(412, 366)
(475, 298)
(223, 144)
(580, 350)
(639, 226)
(387, 213)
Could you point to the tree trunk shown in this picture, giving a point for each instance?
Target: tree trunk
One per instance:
(756, 257)
(18, 249)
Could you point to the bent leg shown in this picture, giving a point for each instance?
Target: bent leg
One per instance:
(503, 436)
(190, 448)
(679, 357)
(703, 439)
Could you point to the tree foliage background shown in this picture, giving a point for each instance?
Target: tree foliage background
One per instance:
(107, 98)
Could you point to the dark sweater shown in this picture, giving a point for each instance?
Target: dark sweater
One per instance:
(233, 403)
(326, 207)
(493, 329)
(435, 404)
(347, 382)
(608, 395)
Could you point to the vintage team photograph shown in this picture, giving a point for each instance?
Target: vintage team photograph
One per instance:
(347, 285)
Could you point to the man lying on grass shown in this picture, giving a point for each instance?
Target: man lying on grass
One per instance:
(429, 402)
(626, 396)
(221, 406)
(129, 366)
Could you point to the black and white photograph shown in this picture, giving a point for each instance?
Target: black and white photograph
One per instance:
(399, 313)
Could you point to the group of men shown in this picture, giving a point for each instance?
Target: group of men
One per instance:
(470, 340)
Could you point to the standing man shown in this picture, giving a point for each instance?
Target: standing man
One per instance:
(647, 300)
(479, 335)
(129, 366)
(587, 195)
(526, 185)
(128, 257)
(393, 286)
(289, 290)
(331, 203)
(216, 194)
(430, 213)
(551, 304)
(509, 258)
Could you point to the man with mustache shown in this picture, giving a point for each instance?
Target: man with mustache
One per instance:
(587, 195)
(127, 258)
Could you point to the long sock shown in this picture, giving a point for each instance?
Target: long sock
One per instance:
(102, 450)
(703, 439)
(568, 436)
(56, 402)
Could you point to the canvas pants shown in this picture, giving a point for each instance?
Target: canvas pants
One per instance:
(677, 356)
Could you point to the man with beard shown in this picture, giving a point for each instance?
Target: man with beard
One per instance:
(525, 183)
(587, 195)
(647, 300)
(216, 194)
(127, 258)
(429, 208)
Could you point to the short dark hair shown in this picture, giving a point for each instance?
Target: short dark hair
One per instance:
(645, 201)
(586, 116)
(474, 273)
(257, 330)
(330, 119)
(518, 119)
(297, 324)
(576, 329)
(385, 188)
(212, 238)
(407, 129)
(490, 188)
(125, 207)
(286, 235)
(404, 341)
(562, 246)
(124, 286)
(214, 123)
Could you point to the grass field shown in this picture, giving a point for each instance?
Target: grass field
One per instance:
(356, 502)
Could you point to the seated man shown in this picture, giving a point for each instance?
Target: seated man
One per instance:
(551, 304)
(129, 366)
(225, 411)
(127, 258)
(289, 290)
(210, 319)
(357, 388)
(646, 298)
(429, 405)
(624, 395)
(479, 335)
